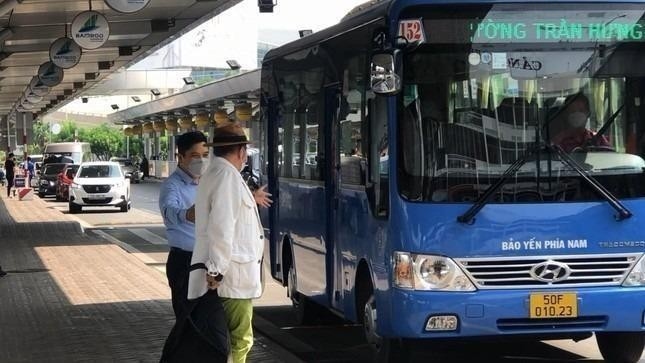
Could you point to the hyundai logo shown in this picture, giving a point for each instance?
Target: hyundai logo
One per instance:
(550, 271)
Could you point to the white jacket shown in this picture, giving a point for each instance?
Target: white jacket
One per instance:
(228, 232)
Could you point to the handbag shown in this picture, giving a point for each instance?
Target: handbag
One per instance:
(200, 333)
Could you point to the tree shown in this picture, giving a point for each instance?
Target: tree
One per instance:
(41, 136)
(67, 132)
(105, 140)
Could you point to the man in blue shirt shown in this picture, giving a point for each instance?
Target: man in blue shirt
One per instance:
(177, 205)
(31, 171)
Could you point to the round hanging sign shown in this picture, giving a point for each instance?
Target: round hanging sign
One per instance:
(65, 53)
(90, 29)
(127, 6)
(33, 98)
(26, 105)
(50, 74)
(38, 88)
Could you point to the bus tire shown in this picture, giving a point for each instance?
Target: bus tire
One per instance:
(622, 347)
(384, 349)
(305, 309)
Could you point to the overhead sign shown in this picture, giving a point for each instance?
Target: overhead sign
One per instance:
(90, 30)
(127, 6)
(33, 98)
(65, 53)
(38, 87)
(50, 74)
(26, 105)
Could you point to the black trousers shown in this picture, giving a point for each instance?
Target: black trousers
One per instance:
(9, 184)
(177, 271)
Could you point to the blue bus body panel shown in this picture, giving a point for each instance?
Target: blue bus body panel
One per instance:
(499, 312)
(433, 228)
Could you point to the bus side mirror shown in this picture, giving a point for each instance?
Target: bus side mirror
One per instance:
(385, 69)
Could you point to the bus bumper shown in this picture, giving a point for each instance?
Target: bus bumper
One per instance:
(506, 312)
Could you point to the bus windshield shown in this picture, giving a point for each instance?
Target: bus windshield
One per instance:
(509, 78)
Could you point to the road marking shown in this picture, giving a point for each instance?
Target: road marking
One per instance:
(149, 236)
(140, 255)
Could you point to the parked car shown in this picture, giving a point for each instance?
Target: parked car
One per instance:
(65, 179)
(49, 178)
(130, 169)
(99, 183)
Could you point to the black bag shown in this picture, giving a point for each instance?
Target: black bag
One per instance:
(201, 332)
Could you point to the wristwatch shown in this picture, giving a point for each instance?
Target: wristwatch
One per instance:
(218, 276)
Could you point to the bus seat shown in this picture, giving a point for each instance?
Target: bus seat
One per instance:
(516, 110)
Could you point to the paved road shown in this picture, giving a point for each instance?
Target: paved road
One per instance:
(140, 232)
(145, 196)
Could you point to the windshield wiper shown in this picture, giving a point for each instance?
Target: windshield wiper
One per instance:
(623, 212)
(605, 126)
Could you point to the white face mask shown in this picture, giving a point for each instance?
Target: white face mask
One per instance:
(198, 167)
(577, 119)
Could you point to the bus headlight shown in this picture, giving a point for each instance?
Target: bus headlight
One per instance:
(429, 273)
(636, 276)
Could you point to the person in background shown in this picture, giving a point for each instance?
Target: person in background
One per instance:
(30, 167)
(229, 239)
(144, 166)
(177, 206)
(9, 167)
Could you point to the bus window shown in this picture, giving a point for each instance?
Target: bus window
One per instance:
(300, 149)
(352, 155)
(379, 159)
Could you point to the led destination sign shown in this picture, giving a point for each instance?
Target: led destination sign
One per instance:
(561, 31)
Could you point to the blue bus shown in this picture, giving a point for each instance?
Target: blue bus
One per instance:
(447, 169)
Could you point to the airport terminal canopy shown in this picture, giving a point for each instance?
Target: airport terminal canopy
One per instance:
(54, 49)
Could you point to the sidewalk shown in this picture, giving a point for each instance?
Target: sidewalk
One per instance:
(72, 298)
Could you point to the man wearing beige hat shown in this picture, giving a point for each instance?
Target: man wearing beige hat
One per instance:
(229, 238)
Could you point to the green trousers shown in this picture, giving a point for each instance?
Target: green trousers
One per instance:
(239, 315)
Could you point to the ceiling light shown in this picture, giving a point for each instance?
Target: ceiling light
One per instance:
(115, 107)
(303, 33)
(155, 92)
(233, 64)
(266, 6)
(189, 80)
(84, 99)
(136, 99)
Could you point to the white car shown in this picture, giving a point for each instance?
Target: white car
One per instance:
(99, 184)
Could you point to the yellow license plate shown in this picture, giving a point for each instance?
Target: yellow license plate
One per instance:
(549, 306)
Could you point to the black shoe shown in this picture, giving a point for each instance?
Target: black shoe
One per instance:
(2, 273)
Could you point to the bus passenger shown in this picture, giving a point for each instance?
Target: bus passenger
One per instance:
(574, 133)
(230, 239)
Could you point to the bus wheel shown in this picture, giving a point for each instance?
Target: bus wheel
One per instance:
(305, 309)
(621, 347)
(385, 349)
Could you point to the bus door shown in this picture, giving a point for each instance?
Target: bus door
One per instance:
(333, 100)
(350, 210)
(303, 191)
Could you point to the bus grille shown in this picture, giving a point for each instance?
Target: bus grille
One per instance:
(549, 271)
